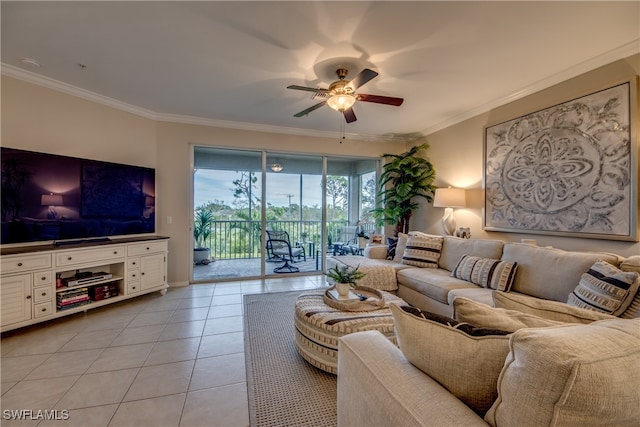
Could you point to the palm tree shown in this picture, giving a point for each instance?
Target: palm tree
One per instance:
(405, 178)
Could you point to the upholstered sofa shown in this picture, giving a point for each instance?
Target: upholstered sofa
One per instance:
(514, 348)
(537, 273)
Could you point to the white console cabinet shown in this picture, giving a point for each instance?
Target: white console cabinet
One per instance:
(41, 283)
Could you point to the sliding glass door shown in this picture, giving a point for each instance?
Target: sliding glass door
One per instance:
(259, 213)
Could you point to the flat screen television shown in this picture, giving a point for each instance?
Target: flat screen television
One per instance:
(47, 197)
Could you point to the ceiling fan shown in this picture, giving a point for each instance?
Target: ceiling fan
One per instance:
(341, 94)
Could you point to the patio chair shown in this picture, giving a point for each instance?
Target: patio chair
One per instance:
(279, 248)
(348, 243)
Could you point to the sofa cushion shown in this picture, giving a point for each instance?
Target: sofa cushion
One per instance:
(575, 375)
(553, 310)
(549, 273)
(482, 315)
(466, 360)
(422, 251)
(605, 288)
(434, 283)
(402, 242)
(486, 272)
(453, 248)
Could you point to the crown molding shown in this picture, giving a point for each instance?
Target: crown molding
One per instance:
(621, 52)
(49, 83)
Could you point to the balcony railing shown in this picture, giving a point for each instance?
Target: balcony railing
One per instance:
(242, 239)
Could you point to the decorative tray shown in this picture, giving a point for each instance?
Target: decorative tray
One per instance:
(360, 298)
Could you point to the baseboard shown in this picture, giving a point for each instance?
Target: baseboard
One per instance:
(178, 284)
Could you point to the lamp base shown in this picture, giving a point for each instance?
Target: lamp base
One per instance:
(448, 222)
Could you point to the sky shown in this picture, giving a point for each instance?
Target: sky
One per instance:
(210, 185)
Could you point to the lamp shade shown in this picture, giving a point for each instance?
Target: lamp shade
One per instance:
(51, 200)
(341, 102)
(450, 198)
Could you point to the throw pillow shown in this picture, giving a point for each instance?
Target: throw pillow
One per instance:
(402, 242)
(552, 310)
(486, 272)
(422, 251)
(571, 375)
(632, 264)
(482, 315)
(392, 243)
(466, 360)
(605, 288)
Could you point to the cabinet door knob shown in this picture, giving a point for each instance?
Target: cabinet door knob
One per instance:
(148, 248)
(133, 275)
(43, 278)
(134, 263)
(44, 294)
(69, 258)
(115, 252)
(142, 273)
(19, 264)
(43, 309)
(28, 296)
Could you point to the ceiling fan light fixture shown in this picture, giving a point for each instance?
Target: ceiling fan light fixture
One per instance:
(276, 167)
(341, 102)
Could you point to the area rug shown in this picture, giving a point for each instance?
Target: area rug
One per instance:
(284, 390)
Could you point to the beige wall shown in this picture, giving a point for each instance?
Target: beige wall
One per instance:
(457, 152)
(40, 119)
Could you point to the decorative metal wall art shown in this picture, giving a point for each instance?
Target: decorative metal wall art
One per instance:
(570, 169)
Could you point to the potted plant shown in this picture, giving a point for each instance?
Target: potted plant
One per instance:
(406, 177)
(304, 236)
(345, 277)
(202, 222)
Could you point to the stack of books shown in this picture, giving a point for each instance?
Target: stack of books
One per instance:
(72, 298)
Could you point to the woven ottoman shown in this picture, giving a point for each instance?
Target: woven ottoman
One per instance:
(319, 327)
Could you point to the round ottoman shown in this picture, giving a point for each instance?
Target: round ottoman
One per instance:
(318, 327)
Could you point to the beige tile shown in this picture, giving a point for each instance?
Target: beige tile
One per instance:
(227, 289)
(5, 387)
(223, 406)
(108, 322)
(38, 343)
(97, 389)
(37, 394)
(225, 311)
(17, 368)
(182, 330)
(194, 302)
(65, 363)
(226, 299)
(89, 340)
(173, 351)
(97, 416)
(218, 371)
(217, 345)
(157, 412)
(151, 318)
(199, 291)
(138, 335)
(224, 325)
(189, 314)
(161, 380)
(122, 357)
(165, 304)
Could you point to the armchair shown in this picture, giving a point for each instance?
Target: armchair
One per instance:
(279, 249)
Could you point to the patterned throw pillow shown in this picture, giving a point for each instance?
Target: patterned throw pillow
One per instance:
(422, 251)
(465, 359)
(392, 242)
(486, 272)
(605, 288)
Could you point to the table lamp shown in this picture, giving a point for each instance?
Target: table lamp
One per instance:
(51, 200)
(449, 198)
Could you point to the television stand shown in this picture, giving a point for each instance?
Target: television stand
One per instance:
(82, 241)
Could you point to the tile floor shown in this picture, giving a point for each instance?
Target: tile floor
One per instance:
(172, 360)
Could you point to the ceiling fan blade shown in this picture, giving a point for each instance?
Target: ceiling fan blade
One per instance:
(362, 78)
(349, 115)
(379, 99)
(310, 109)
(308, 89)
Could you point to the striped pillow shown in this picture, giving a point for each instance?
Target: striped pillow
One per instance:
(605, 288)
(486, 272)
(422, 251)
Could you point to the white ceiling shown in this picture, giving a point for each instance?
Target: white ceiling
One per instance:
(228, 63)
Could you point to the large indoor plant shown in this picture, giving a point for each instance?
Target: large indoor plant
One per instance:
(202, 222)
(345, 277)
(404, 178)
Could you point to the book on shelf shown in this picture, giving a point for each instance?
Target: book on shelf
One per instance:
(73, 305)
(71, 300)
